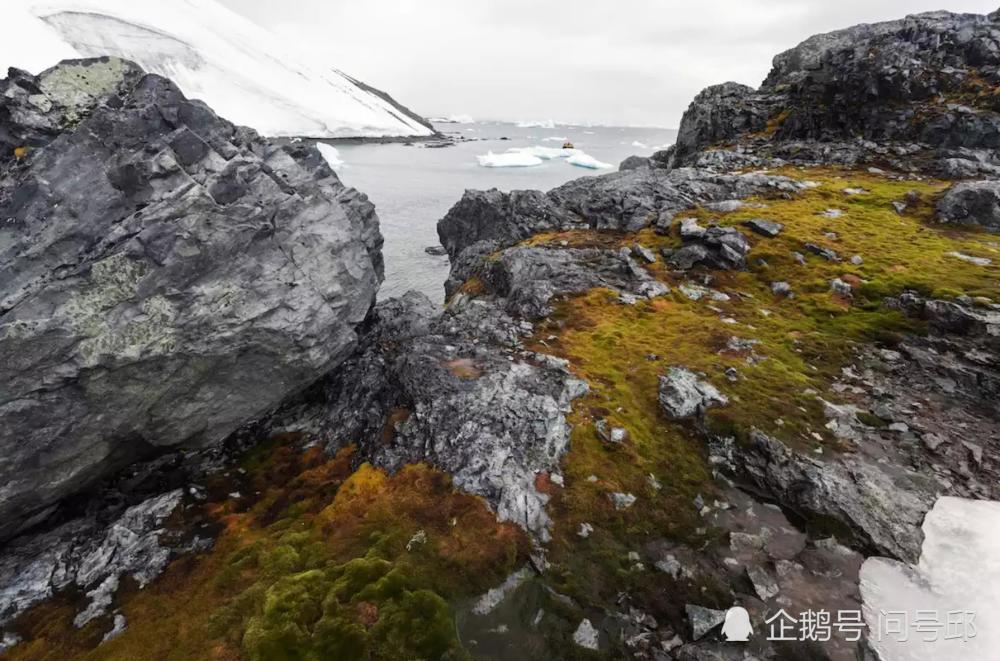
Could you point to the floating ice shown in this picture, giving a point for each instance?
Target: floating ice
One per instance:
(538, 124)
(582, 160)
(331, 154)
(953, 593)
(454, 119)
(555, 138)
(639, 145)
(545, 153)
(511, 159)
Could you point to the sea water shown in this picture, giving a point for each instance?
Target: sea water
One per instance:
(413, 186)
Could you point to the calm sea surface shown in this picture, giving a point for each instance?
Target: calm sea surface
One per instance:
(414, 186)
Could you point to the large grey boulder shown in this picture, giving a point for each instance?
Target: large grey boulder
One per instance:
(165, 276)
(972, 203)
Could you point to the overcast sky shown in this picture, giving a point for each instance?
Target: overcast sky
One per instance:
(634, 62)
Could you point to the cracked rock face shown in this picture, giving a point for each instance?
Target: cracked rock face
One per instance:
(165, 276)
(457, 393)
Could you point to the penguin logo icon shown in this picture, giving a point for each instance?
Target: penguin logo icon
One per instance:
(737, 627)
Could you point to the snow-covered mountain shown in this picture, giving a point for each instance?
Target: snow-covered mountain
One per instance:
(241, 70)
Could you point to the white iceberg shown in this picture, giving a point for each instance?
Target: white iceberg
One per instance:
(510, 159)
(245, 73)
(545, 153)
(639, 145)
(538, 124)
(454, 119)
(555, 138)
(952, 595)
(331, 154)
(583, 160)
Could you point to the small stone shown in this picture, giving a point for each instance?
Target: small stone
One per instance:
(653, 482)
(557, 479)
(832, 213)
(622, 501)
(763, 584)
(670, 565)
(703, 619)
(420, 537)
(900, 207)
(820, 251)
(683, 395)
(857, 260)
(117, 628)
(767, 228)
(841, 288)
(732, 374)
(643, 253)
(900, 427)
(931, 441)
(799, 258)
(781, 288)
(586, 635)
(437, 251)
(585, 530)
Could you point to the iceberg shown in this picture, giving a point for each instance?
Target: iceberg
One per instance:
(245, 73)
(331, 154)
(582, 160)
(555, 138)
(454, 119)
(545, 153)
(947, 603)
(639, 145)
(510, 159)
(538, 124)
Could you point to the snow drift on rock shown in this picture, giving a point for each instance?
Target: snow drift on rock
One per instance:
(511, 159)
(958, 572)
(238, 68)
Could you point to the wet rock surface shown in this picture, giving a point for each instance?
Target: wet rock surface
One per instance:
(156, 261)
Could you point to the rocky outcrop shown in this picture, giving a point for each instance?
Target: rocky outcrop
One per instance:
(483, 222)
(454, 390)
(164, 276)
(927, 81)
(972, 203)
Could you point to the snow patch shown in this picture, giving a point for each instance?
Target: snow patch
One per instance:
(245, 73)
(958, 572)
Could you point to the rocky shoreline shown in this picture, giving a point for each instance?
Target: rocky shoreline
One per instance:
(727, 374)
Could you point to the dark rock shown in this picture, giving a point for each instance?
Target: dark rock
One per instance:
(634, 162)
(157, 261)
(972, 203)
(826, 253)
(767, 228)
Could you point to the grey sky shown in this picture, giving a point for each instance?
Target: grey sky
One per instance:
(604, 61)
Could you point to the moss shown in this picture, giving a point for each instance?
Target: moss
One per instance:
(801, 345)
(316, 568)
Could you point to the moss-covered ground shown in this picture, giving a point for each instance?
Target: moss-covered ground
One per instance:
(800, 344)
(328, 562)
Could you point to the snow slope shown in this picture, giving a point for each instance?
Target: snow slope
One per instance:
(245, 73)
(947, 603)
